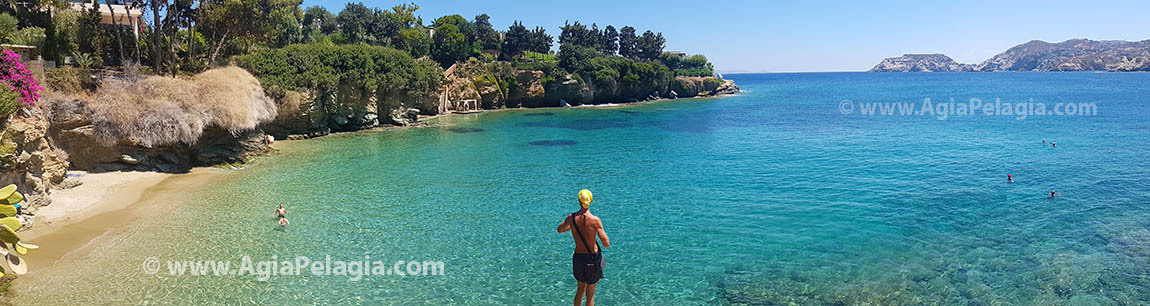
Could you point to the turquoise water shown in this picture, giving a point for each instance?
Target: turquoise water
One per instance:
(772, 196)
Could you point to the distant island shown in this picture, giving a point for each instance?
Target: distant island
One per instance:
(1036, 55)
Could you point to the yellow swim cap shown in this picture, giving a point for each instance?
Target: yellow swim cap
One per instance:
(585, 198)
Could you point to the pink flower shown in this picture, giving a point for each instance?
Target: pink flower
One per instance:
(15, 75)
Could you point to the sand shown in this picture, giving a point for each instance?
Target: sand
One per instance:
(104, 202)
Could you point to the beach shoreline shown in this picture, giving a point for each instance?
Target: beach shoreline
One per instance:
(105, 202)
(110, 200)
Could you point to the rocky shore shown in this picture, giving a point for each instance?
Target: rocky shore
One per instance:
(39, 146)
(467, 87)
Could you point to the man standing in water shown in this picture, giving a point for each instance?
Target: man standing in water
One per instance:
(282, 214)
(587, 262)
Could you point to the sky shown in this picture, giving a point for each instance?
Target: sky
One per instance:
(813, 36)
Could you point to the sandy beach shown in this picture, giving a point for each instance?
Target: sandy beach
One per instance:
(104, 202)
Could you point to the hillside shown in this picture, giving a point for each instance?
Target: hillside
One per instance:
(1037, 55)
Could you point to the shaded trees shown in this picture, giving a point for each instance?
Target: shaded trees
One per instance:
(628, 42)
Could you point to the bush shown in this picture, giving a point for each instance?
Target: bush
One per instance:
(160, 110)
(68, 80)
(9, 101)
(711, 84)
(351, 72)
(14, 74)
(695, 65)
(617, 78)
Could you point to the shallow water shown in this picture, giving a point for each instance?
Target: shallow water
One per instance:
(772, 196)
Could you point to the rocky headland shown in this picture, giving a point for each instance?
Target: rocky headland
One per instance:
(1037, 55)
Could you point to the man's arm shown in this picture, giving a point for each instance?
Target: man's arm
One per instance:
(565, 226)
(603, 234)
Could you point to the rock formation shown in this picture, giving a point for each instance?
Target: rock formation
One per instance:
(1037, 55)
(921, 63)
(72, 131)
(28, 158)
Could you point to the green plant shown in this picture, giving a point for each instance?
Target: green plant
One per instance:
(8, 26)
(83, 60)
(30, 36)
(350, 72)
(711, 84)
(68, 79)
(9, 100)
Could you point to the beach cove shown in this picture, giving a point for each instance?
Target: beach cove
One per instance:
(772, 196)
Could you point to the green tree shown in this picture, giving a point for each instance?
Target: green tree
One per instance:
(578, 35)
(540, 41)
(487, 37)
(450, 46)
(415, 41)
(318, 21)
(385, 28)
(516, 40)
(8, 26)
(91, 36)
(284, 26)
(650, 45)
(609, 41)
(628, 42)
(672, 61)
(355, 21)
(227, 21)
(465, 28)
(405, 15)
(575, 58)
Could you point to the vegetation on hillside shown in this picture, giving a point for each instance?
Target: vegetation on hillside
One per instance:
(341, 62)
(158, 110)
(20, 88)
(346, 75)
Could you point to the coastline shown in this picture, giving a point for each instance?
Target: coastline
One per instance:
(105, 202)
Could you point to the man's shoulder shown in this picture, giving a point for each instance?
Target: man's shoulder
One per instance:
(594, 219)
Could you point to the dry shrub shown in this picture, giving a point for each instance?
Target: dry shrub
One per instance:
(238, 100)
(159, 110)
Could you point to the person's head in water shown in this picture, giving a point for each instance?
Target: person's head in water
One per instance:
(1052, 192)
(585, 198)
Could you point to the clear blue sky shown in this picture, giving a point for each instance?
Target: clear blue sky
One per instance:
(787, 36)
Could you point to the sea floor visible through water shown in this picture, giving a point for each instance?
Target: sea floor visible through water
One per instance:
(773, 196)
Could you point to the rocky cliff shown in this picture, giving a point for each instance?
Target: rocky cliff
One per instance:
(920, 63)
(1037, 55)
(70, 128)
(1072, 55)
(28, 157)
(498, 85)
(686, 87)
(302, 114)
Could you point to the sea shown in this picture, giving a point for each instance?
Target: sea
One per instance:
(806, 188)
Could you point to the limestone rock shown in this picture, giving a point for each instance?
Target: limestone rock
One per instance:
(921, 63)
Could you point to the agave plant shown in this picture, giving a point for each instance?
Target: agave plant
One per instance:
(83, 60)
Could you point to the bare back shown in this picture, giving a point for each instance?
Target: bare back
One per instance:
(589, 226)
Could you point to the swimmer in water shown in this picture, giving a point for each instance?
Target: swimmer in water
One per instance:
(1054, 194)
(281, 213)
(1009, 179)
(1054, 144)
